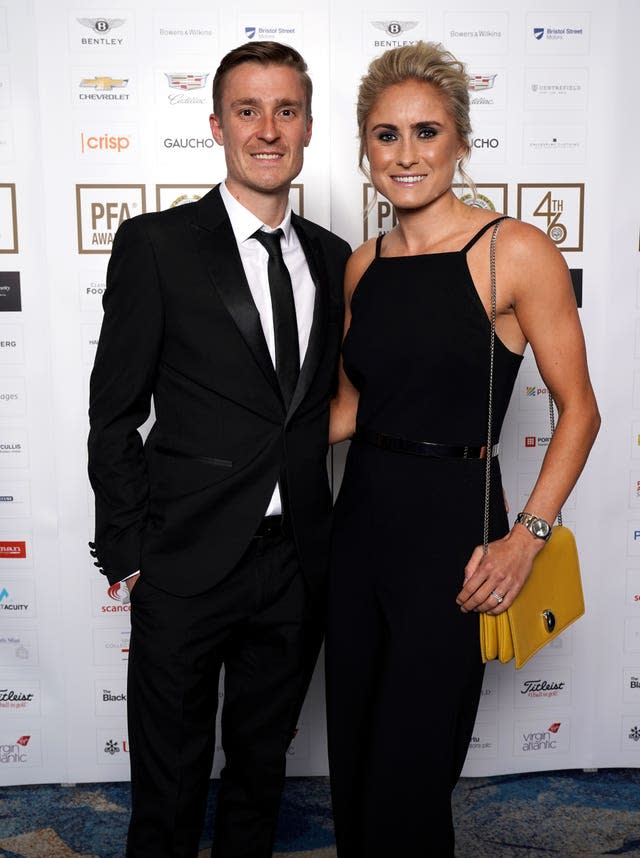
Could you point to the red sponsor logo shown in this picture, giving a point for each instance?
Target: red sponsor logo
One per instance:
(15, 548)
(553, 728)
(114, 592)
(529, 440)
(23, 740)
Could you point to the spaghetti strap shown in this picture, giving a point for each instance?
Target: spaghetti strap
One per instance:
(379, 244)
(481, 232)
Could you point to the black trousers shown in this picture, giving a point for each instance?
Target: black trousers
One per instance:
(261, 625)
(403, 684)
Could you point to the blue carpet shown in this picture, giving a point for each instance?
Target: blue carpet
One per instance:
(571, 814)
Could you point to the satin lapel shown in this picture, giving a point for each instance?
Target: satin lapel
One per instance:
(317, 336)
(219, 251)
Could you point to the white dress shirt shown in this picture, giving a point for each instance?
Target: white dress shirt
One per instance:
(254, 258)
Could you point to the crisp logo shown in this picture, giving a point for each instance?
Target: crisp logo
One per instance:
(104, 142)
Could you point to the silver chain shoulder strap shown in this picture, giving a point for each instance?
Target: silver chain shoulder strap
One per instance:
(487, 488)
(492, 350)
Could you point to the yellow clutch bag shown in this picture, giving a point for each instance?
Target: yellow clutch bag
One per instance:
(549, 602)
(551, 598)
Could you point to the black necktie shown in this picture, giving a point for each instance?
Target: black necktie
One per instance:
(284, 314)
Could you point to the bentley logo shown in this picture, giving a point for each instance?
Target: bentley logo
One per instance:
(394, 28)
(101, 25)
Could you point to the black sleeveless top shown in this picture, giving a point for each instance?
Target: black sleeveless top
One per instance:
(417, 350)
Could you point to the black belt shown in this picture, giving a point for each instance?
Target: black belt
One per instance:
(270, 525)
(421, 448)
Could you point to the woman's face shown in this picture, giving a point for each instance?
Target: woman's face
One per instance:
(412, 144)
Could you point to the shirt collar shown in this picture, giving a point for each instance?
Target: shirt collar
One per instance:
(244, 223)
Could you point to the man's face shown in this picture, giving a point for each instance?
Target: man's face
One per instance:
(263, 126)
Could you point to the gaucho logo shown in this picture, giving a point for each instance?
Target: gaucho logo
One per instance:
(189, 143)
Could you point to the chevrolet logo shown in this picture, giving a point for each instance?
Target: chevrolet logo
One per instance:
(103, 83)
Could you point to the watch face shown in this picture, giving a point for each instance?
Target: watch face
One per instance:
(540, 528)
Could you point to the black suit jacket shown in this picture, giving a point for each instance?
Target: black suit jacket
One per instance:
(181, 330)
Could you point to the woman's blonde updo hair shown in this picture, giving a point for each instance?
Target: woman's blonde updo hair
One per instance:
(427, 62)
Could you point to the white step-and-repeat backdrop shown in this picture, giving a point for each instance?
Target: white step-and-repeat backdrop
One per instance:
(104, 114)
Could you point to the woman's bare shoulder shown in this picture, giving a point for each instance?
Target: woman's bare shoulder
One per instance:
(358, 262)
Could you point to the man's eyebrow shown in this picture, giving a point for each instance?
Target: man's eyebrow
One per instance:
(248, 101)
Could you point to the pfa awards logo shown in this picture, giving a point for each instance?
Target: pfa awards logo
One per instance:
(558, 210)
(378, 214)
(8, 219)
(100, 211)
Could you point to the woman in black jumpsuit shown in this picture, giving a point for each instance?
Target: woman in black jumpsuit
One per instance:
(404, 672)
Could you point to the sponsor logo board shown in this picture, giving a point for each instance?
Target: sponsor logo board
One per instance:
(100, 209)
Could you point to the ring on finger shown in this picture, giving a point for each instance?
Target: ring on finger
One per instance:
(499, 599)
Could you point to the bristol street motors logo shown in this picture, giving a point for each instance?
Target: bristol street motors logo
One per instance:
(100, 211)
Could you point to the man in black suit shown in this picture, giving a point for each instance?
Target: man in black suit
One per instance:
(220, 521)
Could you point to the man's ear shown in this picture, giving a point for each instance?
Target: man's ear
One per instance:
(216, 129)
(307, 138)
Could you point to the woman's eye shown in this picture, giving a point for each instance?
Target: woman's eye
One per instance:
(387, 136)
(426, 133)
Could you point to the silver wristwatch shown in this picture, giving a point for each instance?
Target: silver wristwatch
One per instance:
(538, 527)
